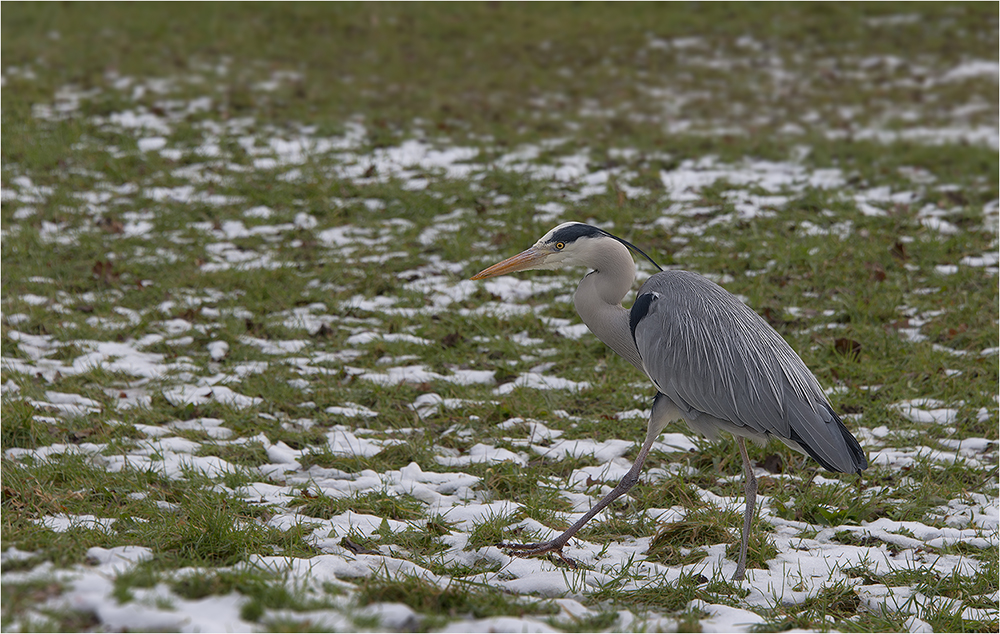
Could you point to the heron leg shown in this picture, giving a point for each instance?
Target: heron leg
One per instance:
(750, 491)
(556, 545)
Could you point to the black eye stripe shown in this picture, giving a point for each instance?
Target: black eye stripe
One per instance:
(575, 231)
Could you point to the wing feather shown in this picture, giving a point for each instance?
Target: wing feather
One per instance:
(711, 354)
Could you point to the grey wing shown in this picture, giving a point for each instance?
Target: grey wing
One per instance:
(710, 354)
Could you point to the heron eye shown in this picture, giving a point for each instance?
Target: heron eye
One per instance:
(560, 245)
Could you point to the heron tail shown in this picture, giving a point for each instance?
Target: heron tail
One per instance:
(834, 448)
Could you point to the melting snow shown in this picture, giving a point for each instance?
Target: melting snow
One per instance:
(753, 189)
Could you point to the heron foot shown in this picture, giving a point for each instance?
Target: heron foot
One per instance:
(528, 550)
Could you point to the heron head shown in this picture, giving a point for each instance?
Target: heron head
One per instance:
(564, 245)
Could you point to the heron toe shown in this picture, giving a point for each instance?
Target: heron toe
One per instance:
(529, 550)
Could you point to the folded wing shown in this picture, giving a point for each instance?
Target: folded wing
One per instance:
(709, 353)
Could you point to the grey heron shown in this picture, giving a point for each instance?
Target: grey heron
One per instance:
(715, 363)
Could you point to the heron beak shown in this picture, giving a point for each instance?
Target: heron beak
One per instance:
(530, 258)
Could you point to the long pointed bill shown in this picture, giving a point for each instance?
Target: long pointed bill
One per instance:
(527, 259)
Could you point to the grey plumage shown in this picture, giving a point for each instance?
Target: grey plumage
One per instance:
(726, 369)
(715, 363)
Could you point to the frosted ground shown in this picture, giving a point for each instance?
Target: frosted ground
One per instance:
(317, 380)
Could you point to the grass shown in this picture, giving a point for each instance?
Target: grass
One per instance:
(279, 219)
(380, 504)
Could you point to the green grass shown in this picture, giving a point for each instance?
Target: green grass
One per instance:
(381, 504)
(634, 94)
(450, 601)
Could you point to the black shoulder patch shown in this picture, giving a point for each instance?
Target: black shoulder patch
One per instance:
(639, 310)
(575, 231)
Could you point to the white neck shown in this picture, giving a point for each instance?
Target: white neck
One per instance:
(599, 296)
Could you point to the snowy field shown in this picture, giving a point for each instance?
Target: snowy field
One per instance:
(248, 386)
